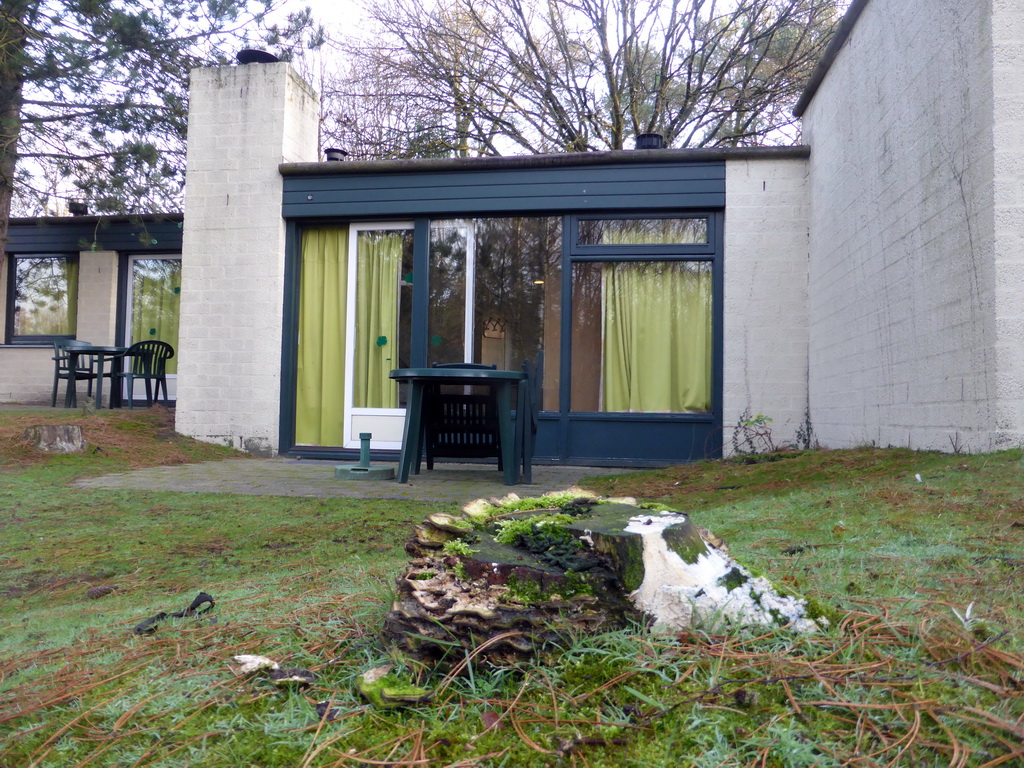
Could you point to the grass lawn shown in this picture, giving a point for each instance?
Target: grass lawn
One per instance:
(922, 553)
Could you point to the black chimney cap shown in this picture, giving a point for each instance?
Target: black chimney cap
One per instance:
(78, 208)
(333, 154)
(254, 56)
(650, 141)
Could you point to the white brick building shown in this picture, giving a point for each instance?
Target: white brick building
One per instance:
(866, 287)
(917, 216)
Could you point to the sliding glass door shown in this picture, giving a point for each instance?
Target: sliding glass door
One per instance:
(152, 310)
(629, 334)
(495, 294)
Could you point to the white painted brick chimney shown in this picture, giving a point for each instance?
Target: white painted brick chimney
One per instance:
(243, 121)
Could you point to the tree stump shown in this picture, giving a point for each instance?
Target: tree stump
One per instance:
(510, 578)
(56, 438)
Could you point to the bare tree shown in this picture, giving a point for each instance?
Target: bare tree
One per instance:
(512, 76)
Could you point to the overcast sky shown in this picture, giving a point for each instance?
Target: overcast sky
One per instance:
(334, 14)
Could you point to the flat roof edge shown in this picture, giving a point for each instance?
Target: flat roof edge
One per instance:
(117, 218)
(835, 45)
(568, 160)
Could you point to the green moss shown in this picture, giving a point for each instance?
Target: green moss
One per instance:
(632, 564)
(514, 532)
(459, 569)
(818, 610)
(457, 548)
(528, 592)
(479, 512)
(684, 540)
(654, 506)
(527, 505)
(390, 691)
(733, 579)
(422, 576)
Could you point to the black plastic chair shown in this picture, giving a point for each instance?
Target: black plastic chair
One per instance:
(85, 370)
(460, 426)
(148, 361)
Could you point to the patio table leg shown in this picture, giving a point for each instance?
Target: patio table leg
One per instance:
(413, 435)
(70, 394)
(99, 380)
(510, 466)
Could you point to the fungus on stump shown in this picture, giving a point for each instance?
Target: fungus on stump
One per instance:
(512, 577)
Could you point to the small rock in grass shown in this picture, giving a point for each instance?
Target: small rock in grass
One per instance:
(325, 711)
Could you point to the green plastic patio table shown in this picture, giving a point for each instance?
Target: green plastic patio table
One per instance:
(420, 378)
(103, 354)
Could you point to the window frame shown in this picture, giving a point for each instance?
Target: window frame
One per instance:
(610, 252)
(38, 340)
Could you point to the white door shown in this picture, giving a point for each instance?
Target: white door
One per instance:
(378, 331)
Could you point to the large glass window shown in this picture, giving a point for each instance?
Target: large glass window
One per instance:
(495, 288)
(642, 336)
(45, 296)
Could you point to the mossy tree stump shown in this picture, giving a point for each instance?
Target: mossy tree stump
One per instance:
(512, 577)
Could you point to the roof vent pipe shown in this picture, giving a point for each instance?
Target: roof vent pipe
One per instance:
(78, 208)
(650, 141)
(335, 155)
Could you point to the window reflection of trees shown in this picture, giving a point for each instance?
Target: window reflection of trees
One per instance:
(155, 296)
(156, 299)
(447, 293)
(42, 300)
(661, 231)
(517, 263)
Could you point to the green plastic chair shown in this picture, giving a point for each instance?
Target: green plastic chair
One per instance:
(84, 371)
(148, 362)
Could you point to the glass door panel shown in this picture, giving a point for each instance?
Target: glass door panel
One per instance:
(154, 300)
(495, 294)
(451, 287)
(378, 331)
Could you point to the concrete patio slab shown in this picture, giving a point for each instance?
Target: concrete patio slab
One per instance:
(455, 483)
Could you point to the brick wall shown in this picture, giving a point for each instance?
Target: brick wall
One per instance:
(1008, 131)
(903, 341)
(766, 252)
(97, 297)
(243, 122)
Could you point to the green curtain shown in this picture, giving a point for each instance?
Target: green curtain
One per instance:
(156, 301)
(378, 264)
(319, 402)
(72, 292)
(656, 337)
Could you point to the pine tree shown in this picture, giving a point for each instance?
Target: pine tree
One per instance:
(93, 94)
